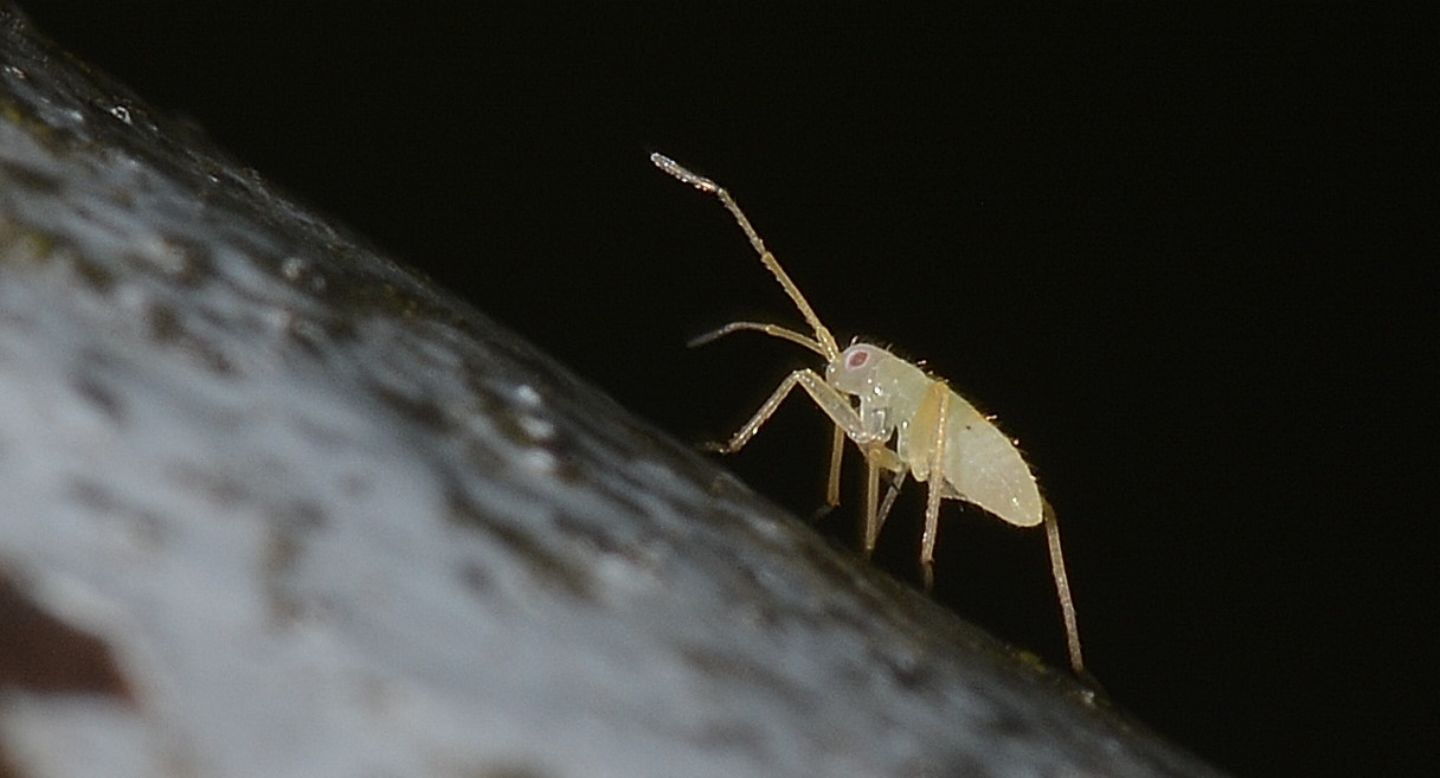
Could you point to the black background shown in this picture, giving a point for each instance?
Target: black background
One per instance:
(1178, 251)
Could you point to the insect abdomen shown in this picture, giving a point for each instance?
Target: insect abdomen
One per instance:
(986, 468)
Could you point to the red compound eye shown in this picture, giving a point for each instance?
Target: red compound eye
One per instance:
(857, 359)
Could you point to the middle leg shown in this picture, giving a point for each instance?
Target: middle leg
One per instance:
(937, 400)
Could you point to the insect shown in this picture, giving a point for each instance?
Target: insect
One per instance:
(939, 438)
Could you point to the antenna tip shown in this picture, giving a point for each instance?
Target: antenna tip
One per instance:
(673, 168)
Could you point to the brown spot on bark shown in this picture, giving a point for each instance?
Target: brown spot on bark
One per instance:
(39, 653)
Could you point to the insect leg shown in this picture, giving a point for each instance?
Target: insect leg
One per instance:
(939, 394)
(872, 486)
(1062, 588)
(831, 401)
(877, 458)
(889, 501)
(832, 487)
(837, 452)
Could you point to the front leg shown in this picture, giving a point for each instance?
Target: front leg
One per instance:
(897, 480)
(837, 453)
(878, 457)
(832, 401)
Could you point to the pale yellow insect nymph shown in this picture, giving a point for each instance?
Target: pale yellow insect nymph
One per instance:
(939, 438)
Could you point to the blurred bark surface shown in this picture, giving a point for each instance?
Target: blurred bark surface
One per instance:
(272, 505)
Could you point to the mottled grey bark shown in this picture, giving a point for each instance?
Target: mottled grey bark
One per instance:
(271, 505)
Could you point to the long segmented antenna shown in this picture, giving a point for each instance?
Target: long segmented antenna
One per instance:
(824, 343)
(773, 330)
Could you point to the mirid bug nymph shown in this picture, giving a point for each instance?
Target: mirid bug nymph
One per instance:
(938, 437)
